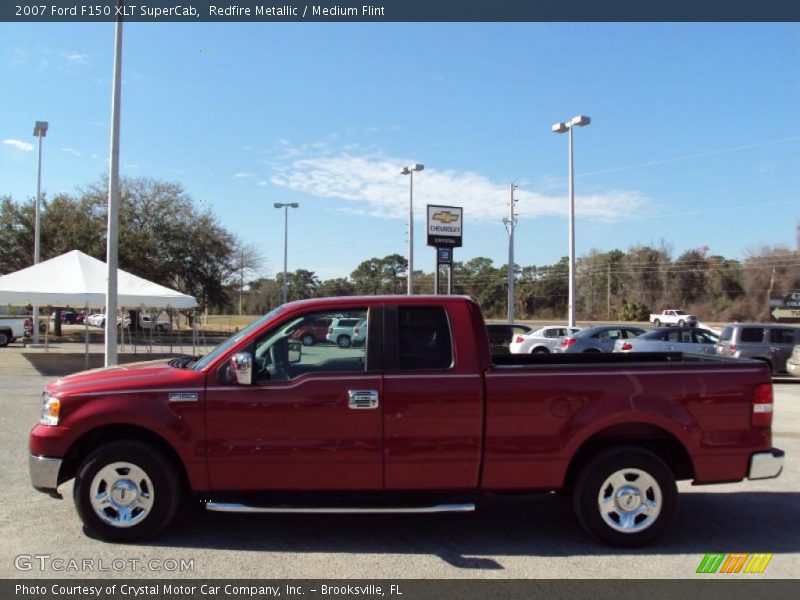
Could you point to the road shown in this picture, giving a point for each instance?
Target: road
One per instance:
(508, 537)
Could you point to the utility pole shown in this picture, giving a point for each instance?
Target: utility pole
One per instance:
(241, 284)
(511, 224)
(608, 294)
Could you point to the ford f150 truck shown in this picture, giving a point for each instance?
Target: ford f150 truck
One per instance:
(421, 418)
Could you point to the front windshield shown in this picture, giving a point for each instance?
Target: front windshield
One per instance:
(235, 339)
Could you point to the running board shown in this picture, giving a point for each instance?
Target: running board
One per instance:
(244, 508)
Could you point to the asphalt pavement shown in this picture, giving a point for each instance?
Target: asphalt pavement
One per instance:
(508, 537)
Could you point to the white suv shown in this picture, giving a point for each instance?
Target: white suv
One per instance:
(342, 330)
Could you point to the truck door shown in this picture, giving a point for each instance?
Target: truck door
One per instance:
(312, 418)
(433, 402)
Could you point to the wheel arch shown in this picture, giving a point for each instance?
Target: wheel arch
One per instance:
(647, 436)
(115, 432)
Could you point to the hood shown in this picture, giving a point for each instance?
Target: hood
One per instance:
(140, 375)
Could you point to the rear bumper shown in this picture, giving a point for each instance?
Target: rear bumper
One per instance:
(44, 473)
(766, 465)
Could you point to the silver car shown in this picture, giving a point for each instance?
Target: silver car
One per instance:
(769, 342)
(540, 341)
(673, 339)
(600, 338)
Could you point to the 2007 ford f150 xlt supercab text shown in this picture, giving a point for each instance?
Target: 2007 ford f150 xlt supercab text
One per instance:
(420, 418)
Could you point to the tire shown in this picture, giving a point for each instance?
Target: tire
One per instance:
(626, 496)
(540, 350)
(657, 322)
(592, 350)
(5, 339)
(344, 341)
(681, 323)
(126, 467)
(308, 339)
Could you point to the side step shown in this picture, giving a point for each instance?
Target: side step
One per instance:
(365, 510)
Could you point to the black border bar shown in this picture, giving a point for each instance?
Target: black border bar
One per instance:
(387, 11)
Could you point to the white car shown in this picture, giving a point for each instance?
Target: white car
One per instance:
(542, 340)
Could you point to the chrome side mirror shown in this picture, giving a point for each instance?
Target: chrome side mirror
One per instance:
(242, 368)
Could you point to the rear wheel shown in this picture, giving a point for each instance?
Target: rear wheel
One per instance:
(344, 341)
(626, 496)
(308, 340)
(540, 350)
(5, 338)
(125, 491)
(657, 322)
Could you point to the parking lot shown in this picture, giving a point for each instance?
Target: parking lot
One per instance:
(508, 537)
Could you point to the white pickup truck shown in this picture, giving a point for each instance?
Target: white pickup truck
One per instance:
(12, 328)
(673, 317)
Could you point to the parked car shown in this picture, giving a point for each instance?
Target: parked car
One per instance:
(769, 342)
(155, 322)
(96, 319)
(673, 316)
(542, 340)
(793, 364)
(600, 338)
(360, 334)
(673, 339)
(427, 418)
(313, 332)
(502, 334)
(341, 331)
(12, 328)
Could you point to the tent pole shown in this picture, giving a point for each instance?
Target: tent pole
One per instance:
(86, 339)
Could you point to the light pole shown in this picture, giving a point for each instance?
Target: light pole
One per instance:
(580, 121)
(40, 131)
(409, 170)
(285, 206)
(511, 224)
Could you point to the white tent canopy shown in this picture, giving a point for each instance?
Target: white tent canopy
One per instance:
(77, 280)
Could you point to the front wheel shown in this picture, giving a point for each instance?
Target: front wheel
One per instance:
(657, 322)
(626, 496)
(126, 491)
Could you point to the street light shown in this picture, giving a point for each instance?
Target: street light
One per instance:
(409, 170)
(40, 131)
(580, 121)
(285, 206)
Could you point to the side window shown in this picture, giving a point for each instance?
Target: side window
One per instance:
(424, 338)
(553, 333)
(781, 336)
(727, 334)
(752, 335)
(305, 344)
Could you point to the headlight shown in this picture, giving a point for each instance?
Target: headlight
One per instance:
(50, 409)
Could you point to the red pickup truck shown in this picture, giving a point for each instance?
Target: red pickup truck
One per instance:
(421, 418)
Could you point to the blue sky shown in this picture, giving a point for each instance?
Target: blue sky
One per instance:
(695, 134)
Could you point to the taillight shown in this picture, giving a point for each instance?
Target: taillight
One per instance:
(566, 342)
(28, 324)
(731, 348)
(519, 339)
(626, 346)
(762, 405)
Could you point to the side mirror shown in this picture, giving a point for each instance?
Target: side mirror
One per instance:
(295, 352)
(242, 368)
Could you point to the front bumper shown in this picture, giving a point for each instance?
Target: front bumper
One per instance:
(44, 473)
(766, 465)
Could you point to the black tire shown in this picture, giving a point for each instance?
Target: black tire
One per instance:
(159, 482)
(647, 482)
(681, 323)
(308, 339)
(540, 350)
(5, 339)
(344, 341)
(590, 350)
(657, 322)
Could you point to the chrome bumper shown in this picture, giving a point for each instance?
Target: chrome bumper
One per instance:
(766, 465)
(44, 473)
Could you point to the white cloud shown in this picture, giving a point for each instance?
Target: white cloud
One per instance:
(244, 175)
(74, 58)
(373, 185)
(71, 151)
(24, 146)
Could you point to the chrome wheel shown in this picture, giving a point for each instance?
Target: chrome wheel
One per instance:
(121, 494)
(630, 500)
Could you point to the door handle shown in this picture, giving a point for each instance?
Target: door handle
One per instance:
(361, 399)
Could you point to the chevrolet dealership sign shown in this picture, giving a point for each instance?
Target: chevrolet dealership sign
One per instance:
(444, 226)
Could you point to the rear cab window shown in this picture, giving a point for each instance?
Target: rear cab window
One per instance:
(424, 341)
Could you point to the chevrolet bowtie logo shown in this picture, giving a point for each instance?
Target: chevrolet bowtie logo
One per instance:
(445, 217)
